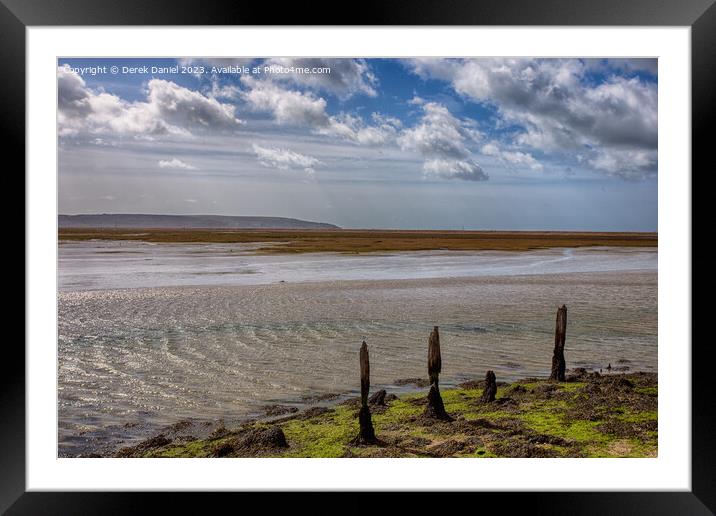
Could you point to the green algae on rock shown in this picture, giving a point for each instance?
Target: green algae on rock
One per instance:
(590, 415)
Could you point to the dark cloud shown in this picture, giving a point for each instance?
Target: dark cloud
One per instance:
(168, 109)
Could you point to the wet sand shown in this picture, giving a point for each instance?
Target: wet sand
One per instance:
(132, 360)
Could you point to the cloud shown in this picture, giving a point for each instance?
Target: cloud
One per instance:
(188, 108)
(355, 129)
(169, 109)
(512, 157)
(222, 91)
(297, 108)
(345, 77)
(381, 119)
(442, 140)
(416, 101)
(73, 98)
(284, 159)
(176, 164)
(629, 164)
(439, 133)
(101, 142)
(468, 169)
(286, 106)
(620, 112)
(555, 107)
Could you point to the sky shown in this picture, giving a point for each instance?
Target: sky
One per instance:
(428, 143)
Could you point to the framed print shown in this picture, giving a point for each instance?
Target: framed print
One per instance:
(430, 249)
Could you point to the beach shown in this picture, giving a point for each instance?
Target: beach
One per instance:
(154, 334)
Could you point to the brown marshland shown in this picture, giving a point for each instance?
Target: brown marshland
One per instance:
(368, 240)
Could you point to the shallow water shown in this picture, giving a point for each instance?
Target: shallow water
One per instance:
(133, 359)
(112, 265)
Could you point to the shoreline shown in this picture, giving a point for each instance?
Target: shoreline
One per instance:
(589, 415)
(314, 289)
(75, 445)
(276, 411)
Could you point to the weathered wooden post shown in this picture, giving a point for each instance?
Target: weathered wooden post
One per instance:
(560, 334)
(367, 433)
(435, 408)
(488, 393)
(435, 363)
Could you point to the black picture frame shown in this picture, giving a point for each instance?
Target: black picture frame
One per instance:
(700, 15)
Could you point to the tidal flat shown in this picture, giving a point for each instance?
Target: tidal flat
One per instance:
(154, 335)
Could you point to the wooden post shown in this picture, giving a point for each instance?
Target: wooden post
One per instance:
(435, 408)
(434, 361)
(560, 334)
(364, 374)
(488, 393)
(367, 433)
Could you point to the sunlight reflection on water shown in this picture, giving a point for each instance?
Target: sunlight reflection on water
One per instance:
(166, 352)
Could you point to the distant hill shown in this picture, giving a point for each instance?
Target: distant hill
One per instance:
(132, 220)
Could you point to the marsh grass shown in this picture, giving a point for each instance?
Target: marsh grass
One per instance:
(367, 241)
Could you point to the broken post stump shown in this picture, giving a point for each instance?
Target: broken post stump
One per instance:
(488, 393)
(366, 433)
(560, 334)
(378, 398)
(435, 408)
